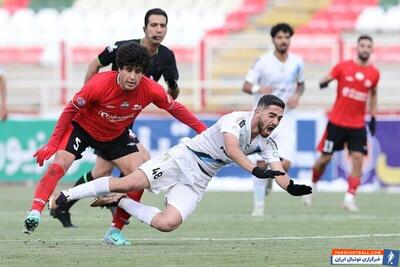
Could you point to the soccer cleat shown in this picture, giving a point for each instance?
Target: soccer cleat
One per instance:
(31, 222)
(116, 238)
(111, 199)
(63, 216)
(350, 205)
(60, 201)
(258, 212)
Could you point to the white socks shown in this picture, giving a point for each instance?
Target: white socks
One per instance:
(348, 197)
(259, 191)
(138, 210)
(97, 187)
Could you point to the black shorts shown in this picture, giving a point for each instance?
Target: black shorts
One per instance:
(335, 137)
(77, 140)
(133, 140)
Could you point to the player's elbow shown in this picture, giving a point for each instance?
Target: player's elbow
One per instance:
(231, 152)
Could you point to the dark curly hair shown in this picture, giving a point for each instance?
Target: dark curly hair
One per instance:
(132, 54)
(284, 27)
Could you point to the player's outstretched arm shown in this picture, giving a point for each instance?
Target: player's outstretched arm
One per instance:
(325, 82)
(287, 184)
(232, 150)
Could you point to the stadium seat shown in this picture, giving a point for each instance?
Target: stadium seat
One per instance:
(370, 19)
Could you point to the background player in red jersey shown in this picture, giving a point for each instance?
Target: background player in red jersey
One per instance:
(98, 116)
(357, 84)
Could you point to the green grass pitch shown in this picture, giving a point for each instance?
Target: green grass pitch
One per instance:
(220, 233)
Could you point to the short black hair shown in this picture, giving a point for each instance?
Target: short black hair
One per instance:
(284, 27)
(364, 37)
(154, 11)
(132, 54)
(269, 100)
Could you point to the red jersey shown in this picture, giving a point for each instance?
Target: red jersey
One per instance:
(354, 84)
(104, 110)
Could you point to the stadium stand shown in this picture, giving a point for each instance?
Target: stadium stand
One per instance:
(214, 47)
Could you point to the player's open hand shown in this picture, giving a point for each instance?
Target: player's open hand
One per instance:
(265, 174)
(44, 153)
(298, 189)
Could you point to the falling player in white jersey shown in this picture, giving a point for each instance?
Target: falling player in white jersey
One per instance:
(278, 73)
(185, 170)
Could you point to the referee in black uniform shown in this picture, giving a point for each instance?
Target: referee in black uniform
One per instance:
(163, 59)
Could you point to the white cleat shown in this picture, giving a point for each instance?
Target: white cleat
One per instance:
(350, 206)
(258, 212)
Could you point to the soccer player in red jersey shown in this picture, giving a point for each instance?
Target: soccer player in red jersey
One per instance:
(163, 63)
(98, 116)
(357, 84)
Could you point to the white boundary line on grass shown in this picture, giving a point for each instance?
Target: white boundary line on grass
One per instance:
(217, 239)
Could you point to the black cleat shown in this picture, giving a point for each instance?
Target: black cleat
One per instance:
(63, 216)
(61, 200)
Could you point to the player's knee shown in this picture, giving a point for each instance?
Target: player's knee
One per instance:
(168, 224)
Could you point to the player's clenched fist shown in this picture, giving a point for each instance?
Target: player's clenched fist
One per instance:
(44, 153)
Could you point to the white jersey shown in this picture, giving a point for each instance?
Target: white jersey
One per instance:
(209, 145)
(281, 76)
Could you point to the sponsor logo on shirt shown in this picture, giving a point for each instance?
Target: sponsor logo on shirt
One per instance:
(110, 106)
(115, 118)
(354, 94)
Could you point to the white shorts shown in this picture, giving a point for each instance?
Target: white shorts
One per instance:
(184, 182)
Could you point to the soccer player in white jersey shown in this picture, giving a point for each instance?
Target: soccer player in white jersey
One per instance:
(279, 73)
(185, 170)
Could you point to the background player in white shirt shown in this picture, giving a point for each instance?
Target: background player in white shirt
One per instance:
(185, 169)
(279, 73)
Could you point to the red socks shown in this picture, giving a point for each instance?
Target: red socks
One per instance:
(46, 186)
(121, 216)
(316, 175)
(354, 182)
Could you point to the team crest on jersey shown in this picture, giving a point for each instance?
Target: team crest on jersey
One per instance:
(359, 76)
(241, 122)
(137, 107)
(80, 101)
(125, 105)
